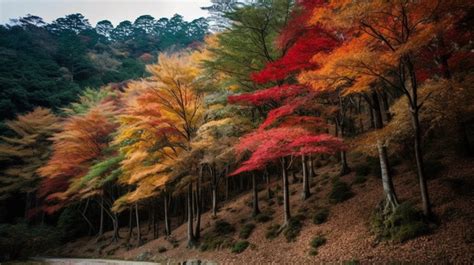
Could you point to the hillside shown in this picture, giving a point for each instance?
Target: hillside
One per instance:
(294, 132)
(347, 229)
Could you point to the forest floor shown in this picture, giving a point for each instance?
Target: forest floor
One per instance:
(347, 230)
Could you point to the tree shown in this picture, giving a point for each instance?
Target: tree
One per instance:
(278, 144)
(75, 23)
(104, 28)
(248, 45)
(389, 37)
(159, 121)
(25, 151)
(283, 134)
(83, 138)
(145, 23)
(123, 30)
(217, 11)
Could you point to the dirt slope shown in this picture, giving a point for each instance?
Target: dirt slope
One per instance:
(347, 228)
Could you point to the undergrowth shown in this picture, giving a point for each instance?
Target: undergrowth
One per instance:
(219, 237)
(405, 223)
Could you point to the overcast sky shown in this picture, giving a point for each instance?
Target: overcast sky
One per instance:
(96, 10)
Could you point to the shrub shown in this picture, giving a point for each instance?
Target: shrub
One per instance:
(318, 241)
(161, 249)
(272, 231)
(223, 228)
(359, 179)
(405, 223)
(340, 192)
(262, 217)
(321, 216)
(293, 229)
(313, 252)
(246, 231)
(240, 246)
(218, 237)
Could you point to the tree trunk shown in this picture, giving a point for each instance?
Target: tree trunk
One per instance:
(414, 109)
(306, 192)
(256, 209)
(167, 221)
(387, 183)
(345, 169)
(139, 238)
(267, 179)
(340, 123)
(286, 193)
(101, 224)
(191, 240)
(115, 225)
(372, 121)
(226, 188)
(312, 172)
(130, 222)
(386, 106)
(153, 220)
(197, 233)
(420, 165)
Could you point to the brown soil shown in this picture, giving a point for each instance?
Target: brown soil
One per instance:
(347, 229)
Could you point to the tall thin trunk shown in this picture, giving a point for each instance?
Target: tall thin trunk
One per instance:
(387, 183)
(345, 169)
(139, 238)
(306, 192)
(194, 205)
(414, 109)
(167, 221)
(101, 224)
(226, 188)
(312, 172)
(197, 233)
(256, 209)
(340, 123)
(286, 193)
(153, 220)
(267, 179)
(130, 222)
(115, 225)
(420, 166)
(372, 120)
(191, 240)
(386, 106)
(83, 213)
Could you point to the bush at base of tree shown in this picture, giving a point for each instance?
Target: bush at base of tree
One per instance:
(405, 223)
(272, 231)
(293, 229)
